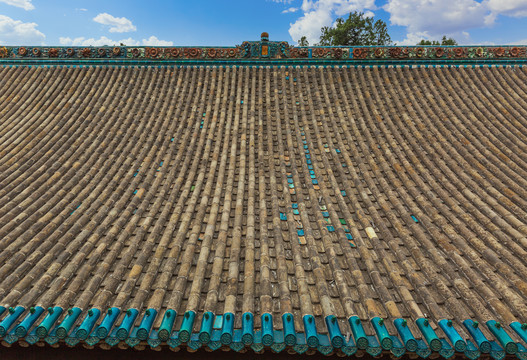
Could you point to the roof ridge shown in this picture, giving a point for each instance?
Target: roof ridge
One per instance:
(275, 51)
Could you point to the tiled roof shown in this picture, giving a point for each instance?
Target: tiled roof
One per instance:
(330, 209)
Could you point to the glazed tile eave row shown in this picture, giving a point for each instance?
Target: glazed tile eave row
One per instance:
(264, 49)
(247, 338)
(302, 209)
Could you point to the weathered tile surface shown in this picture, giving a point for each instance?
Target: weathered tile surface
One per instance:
(389, 192)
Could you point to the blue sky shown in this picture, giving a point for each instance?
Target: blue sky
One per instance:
(230, 22)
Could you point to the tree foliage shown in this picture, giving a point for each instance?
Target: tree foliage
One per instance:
(356, 30)
(444, 41)
(303, 41)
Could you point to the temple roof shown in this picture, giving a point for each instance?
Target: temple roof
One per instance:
(303, 208)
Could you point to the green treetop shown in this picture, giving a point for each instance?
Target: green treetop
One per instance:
(303, 41)
(444, 41)
(357, 29)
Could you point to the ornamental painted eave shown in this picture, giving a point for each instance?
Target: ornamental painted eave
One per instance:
(265, 51)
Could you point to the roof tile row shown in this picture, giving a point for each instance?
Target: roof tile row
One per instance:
(328, 208)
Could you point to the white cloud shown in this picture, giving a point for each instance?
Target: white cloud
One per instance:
(320, 13)
(117, 25)
(309, 25)
(154, 41)
(515, 8)
(449, 17)
(462, 37)
(486, 43)
(16, 32)
(103, 40)
(423, 19)
(339, 7)
(438, 17)
(290, 10)
(24, 4)
(414, 38)
(81, 9)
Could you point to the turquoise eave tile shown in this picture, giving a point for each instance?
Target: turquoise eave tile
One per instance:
(220, 330)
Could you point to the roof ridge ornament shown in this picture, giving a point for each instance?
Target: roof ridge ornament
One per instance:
(273, 51)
